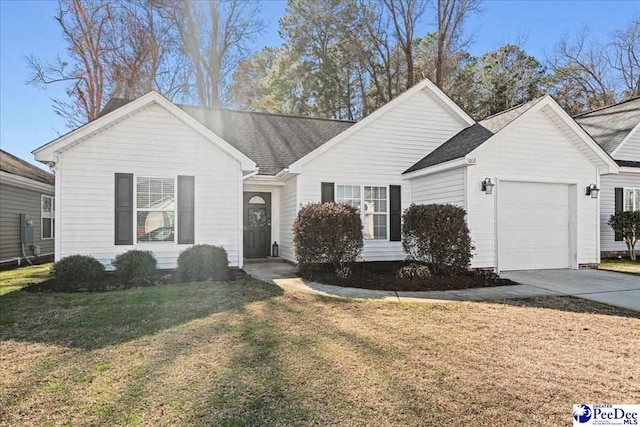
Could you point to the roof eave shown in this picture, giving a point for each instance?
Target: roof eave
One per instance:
(440, 167)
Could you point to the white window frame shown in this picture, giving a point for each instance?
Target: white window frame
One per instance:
(136, 209)
(636, 206)
(52, 216)
(362, 213)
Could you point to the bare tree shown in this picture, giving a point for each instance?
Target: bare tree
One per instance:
(405, 15)
(84, 27)
(120, 48)
(451, 15)
(625, 57)
(215, 36)
(581, 72)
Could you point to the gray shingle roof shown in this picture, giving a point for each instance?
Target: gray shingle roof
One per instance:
(456, 147)
(16, 166)
(273, 141)
(628, 163)
(609, 126)
(472, 137)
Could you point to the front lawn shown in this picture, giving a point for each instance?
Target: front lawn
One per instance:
(14, 279)
(245, 353)
(620, 265)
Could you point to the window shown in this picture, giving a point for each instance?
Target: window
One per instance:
(47, 217)
(371, 201)
(155, 206)
(257, 200)
(631, 199)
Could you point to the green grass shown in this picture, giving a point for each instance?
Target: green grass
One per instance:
(621, 265)
(246, 353)
(17, 278)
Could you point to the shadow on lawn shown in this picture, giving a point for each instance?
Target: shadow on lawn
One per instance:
(571, 305)
(97, 320)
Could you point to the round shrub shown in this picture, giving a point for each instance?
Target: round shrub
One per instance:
(327, 233)
(78, 272)
(203, 262)
(438, 235)
(135, 267)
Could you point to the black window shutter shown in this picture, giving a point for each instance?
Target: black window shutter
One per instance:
(186, 210)
(124, 209)
(619, 201)
(327, 192)
(395, 211)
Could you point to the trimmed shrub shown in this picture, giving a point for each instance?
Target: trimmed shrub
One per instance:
(327, 233)
(135, 267)
(78, 272)
(203, 262)
(438, 235)
(627, 224)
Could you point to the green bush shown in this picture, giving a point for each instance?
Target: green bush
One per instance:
(203, 262)
(135, 267)
(438, 235)
(327, 233)
(79, 272)
(627, 224)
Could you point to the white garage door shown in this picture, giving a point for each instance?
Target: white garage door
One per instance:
(533, 226)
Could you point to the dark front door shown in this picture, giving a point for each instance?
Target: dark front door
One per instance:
(257, 225)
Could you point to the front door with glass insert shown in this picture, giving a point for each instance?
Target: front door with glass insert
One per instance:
(257, 225)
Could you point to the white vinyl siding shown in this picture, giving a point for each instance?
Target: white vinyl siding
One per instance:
(531, 149)
(288, 212)
(631, 148)
(154, 143)
(441, 188)
(608, 184)
(378, 154)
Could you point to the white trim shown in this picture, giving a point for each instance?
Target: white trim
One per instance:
(264, 180)
(52, 217)
(26, 183)
(46, 152)
(440, 167)
(296, 166)
(626, 138)
(240, 221)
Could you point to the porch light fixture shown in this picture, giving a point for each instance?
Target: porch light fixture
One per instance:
(592, 190)
(487, 186)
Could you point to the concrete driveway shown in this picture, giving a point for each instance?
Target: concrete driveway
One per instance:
(621, 290)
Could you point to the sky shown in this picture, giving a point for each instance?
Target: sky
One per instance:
(27, 119)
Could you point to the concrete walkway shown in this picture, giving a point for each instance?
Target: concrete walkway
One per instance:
(284, 275)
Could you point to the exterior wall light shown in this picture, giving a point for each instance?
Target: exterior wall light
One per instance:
(487, 186)
(592, 190)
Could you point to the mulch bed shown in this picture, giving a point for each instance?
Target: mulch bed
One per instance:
(383, 275)
(111, 282)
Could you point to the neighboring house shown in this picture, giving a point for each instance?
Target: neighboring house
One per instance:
(237, 179)
(25, 190)
(617, 129)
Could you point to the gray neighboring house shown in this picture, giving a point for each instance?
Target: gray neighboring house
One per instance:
(617, 129)
(25, 190)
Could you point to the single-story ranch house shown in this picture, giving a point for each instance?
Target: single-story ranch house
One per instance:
(154, 175)
(27, 214)
(615, 128)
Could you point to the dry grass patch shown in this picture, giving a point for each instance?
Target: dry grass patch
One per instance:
(247, 354)
(620, 265)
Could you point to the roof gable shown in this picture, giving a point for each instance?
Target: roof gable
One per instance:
(48, 152)
(611, 125)
(16, 166)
